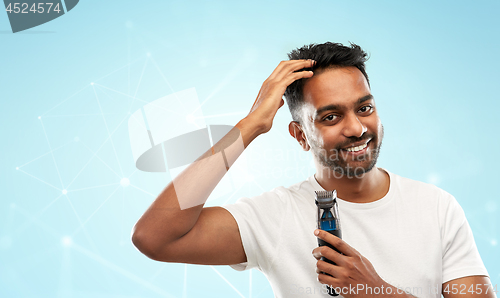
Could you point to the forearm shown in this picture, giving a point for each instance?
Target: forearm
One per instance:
(176, 210)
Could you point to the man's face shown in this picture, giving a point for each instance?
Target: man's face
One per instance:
(340, 121)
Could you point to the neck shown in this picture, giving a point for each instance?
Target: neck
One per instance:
(371, 186)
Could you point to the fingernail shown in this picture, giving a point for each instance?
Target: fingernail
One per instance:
(316, 232)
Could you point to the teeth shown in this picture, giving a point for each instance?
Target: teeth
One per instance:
(355, 149)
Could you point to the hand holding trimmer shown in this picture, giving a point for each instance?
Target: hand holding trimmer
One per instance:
(328, 220)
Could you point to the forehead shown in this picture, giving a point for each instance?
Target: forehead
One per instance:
(341, 86)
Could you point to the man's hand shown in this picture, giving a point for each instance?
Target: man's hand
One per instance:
(351, 269)
(270, 97)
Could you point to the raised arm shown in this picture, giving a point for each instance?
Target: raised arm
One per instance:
(176, 227)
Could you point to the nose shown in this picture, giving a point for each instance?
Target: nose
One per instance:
(353, 127)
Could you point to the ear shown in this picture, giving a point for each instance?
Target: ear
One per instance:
(296, 131)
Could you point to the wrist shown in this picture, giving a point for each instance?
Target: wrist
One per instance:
(249, 130)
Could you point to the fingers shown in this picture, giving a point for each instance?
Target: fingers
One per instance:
(325, 267)
(270, 97)
(286, 68)
(297, 75)
(289, 66)
(338, 243)
(329, 274)
(330, 254)
(327, 280)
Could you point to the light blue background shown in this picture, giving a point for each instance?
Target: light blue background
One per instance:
(433, 69)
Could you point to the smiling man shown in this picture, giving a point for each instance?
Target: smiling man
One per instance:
(400, 237)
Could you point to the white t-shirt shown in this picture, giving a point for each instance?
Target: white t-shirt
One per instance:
(416, 237)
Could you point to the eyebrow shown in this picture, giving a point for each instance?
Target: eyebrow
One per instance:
(339, 107)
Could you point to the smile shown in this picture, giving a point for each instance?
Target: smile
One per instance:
(357, 148)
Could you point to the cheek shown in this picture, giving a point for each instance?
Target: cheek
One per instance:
(314, 136)
(316, 140)
(331, 136)
(380, 130)
(375, 125)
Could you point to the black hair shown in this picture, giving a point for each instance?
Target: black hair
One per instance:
(326, 55)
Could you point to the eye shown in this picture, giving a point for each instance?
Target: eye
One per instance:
(366, 109)
(330, 117)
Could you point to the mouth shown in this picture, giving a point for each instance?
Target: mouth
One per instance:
(358, 148)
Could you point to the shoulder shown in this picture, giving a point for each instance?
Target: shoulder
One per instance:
(425, 196)
(419, 190)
